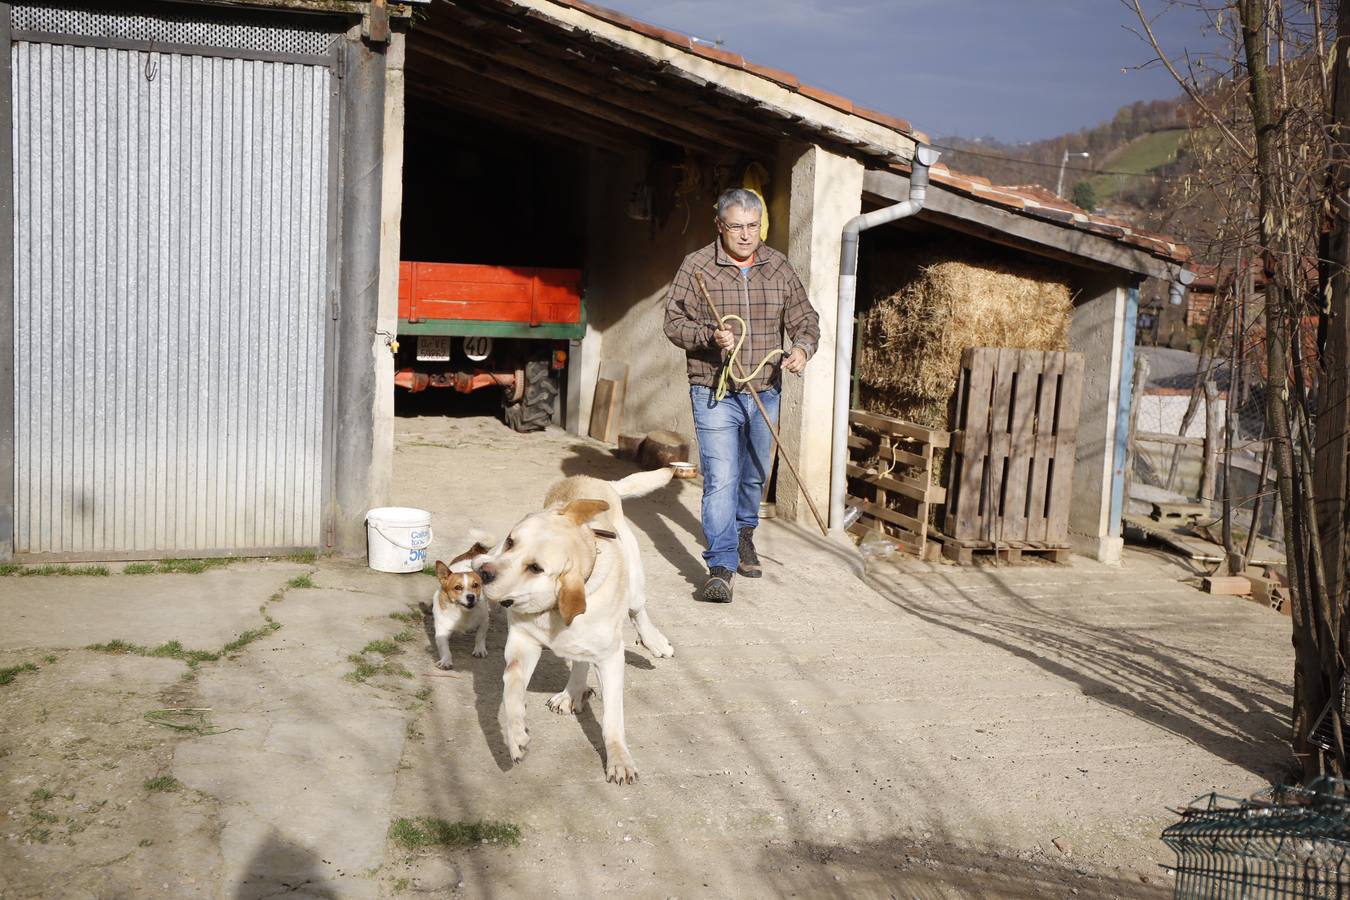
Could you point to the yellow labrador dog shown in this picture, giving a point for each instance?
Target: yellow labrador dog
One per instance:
(568, 575)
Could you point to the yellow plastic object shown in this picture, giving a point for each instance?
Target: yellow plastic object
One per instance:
(754, 181)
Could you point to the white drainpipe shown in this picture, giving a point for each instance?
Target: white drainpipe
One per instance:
(924, 157)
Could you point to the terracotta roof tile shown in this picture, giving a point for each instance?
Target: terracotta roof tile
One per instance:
(786, 79)
(829, 99)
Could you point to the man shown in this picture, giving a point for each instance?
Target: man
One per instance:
(755, 282)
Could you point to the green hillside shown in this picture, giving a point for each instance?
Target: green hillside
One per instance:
(1143, 154)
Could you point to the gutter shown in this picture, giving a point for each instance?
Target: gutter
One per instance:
(924, 157)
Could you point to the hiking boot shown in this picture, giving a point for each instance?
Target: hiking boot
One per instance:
(749, 564)
(717, 589)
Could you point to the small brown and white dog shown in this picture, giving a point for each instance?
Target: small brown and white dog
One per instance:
(458, 604)
(567, 576)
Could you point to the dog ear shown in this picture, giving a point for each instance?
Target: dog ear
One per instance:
(571, 592)
(582, 511)
(442, 570)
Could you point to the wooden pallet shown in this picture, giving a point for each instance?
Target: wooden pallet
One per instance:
(890, 474)
(964, 552)
(1010, 473)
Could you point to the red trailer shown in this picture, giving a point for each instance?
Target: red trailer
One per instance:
(469, 327)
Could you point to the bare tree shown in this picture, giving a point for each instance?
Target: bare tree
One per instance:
(1267, 137)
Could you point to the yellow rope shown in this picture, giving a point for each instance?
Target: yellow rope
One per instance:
(724, 381)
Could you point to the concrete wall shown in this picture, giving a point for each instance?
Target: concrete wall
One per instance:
(391, 214)
(825, 192)
(1096, 331)
(629, 267)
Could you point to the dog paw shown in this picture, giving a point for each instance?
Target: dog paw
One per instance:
(517, 738)
(480, 652)
(620, 767)
(659, 646)
(444, 663)
(563, 704)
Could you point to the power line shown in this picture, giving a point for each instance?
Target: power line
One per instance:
(1031, 162)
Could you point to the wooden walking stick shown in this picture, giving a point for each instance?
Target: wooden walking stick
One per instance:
(778, 442)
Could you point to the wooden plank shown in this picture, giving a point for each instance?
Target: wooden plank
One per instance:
(860, 443)
(1066, 447)
(898, 427)
(1041, 470)
(907, 486)
(970, 509)
(1029, 366)
(905, 458)
(601, 407)
(617, 372)
(886, 514)
(1000, 439)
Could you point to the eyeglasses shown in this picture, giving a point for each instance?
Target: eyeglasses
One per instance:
(747, 228)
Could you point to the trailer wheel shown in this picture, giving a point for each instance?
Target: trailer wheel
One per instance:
(534, 410)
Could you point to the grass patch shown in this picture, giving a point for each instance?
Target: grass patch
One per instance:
(423, 694)
(403, 637)
(364, 670)
(163, 784)
(63, 570)
(250, 636)
(191, 566)
(49, 659)
(9, 568)
(414, 834)
(37, 835)
(301, 581)
(411, 617)
(429, 570)
(382, 647)
(9, 673)
(190, 720)
(304, 556)
(41, 795)
(167, 650)
(139, 568)
(145, 842)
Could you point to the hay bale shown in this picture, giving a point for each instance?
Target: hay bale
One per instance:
(929, 308)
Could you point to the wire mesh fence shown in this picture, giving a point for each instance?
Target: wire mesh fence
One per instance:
(1286, 842)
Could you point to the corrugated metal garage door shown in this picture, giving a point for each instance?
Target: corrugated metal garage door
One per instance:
(171, 301)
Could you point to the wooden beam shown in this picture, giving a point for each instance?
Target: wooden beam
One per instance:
(593, 102)
(988, 219)
(523, 111)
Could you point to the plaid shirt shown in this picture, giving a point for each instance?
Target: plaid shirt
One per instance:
(769, 296)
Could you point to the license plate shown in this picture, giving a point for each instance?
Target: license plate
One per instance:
(433, 348)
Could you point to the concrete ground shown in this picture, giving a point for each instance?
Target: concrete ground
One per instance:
(914, 730)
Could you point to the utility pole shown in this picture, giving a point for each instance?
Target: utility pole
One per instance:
(1059, 186)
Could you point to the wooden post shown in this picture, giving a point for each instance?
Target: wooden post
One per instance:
(1209, 470)
(1136, 394)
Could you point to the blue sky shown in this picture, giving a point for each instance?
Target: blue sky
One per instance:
(1012, 69)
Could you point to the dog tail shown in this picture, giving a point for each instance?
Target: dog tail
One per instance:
(640, 483)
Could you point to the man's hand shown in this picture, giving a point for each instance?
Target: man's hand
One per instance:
(795, 362)
(724, 336)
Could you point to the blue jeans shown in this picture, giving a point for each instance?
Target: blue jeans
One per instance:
(734, 451)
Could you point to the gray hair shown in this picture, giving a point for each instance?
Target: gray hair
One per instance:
(746, 200)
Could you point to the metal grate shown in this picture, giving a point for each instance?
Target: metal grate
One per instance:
(1287, 842)
(1322, 733)
(197, 28)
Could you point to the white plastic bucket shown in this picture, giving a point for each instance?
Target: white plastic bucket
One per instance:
(397, 538)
